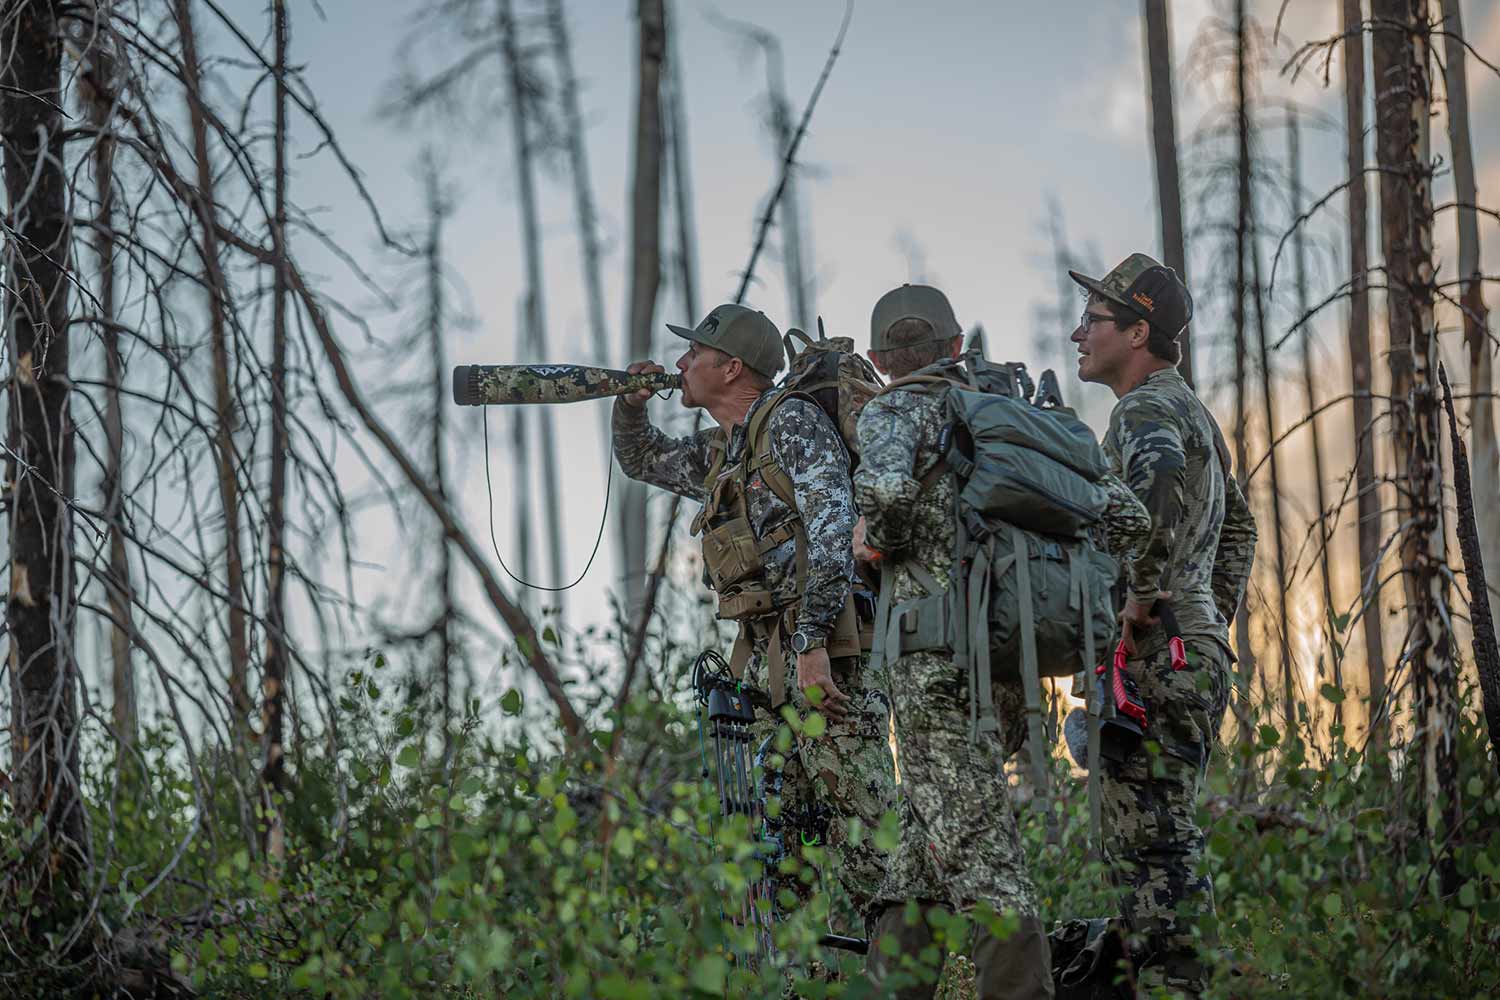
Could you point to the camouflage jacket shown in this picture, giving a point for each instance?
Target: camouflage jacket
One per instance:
(1166, 445)
(807, 446)
(898, 445)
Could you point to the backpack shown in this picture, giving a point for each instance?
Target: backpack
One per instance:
(836, 377)
(1030, 591)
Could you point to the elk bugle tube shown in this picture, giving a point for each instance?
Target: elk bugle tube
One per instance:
(506, 385)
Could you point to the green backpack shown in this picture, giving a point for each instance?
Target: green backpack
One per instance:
(1030, 591)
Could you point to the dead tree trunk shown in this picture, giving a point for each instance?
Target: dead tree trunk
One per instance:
(102, 93)
(437, 211)
(1471, 299)
(798, 299)
(1402, 74)
(645, 265)
(1486, 649)
(531, 235)
(225, 410)
(1246, 655)
(40, 608)
(273, 683)
(583, 192)
(682, 180)
(1360, 372)
(1273, 469)
(1309, 385)
(1162, 108)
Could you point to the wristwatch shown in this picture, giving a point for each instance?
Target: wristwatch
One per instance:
(803, 641)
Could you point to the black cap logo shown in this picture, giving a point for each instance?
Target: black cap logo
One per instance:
(710, 324)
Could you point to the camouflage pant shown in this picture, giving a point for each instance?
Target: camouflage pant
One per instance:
(847, 772)
(1152, 839)
(959, 841)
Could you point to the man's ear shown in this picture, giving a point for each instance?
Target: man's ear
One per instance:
(1140, 332)
(956, 347)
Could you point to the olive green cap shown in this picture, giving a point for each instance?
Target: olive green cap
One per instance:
(741, 333)
(1148, 289)
(912, 302)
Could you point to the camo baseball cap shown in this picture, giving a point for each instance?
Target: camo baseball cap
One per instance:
(1147, 288)
(741, 333)
(912, 302)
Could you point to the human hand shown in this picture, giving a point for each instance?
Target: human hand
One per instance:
(862, 552)
(639, 397)
(1137, 614)
(814, 670)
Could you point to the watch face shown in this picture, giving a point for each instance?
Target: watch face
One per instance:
(799, 642)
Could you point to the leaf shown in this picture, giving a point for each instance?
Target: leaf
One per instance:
(409, 756)
(1270, 735)
(549, 636)
(1467, 895)
(1331, 693)
(1333, 905)
(510, 702)
(709, 974)
(815, 726)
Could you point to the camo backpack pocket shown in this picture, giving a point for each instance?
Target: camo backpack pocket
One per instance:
(731, 554)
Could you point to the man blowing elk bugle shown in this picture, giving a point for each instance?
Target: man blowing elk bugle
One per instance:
(776, 524)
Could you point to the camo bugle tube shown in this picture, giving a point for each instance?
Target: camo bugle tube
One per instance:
(505, 385)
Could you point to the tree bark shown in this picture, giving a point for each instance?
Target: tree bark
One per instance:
(1360, 372)
(792, 246)
(536, 326)
(1402, 73)
(273, 681)
(437, 211)
(102, 92)
(1246, 655)
(1486, 649)
(1309, 385)
(645, 267)
(1273, 469)
(1161, 106)
(682, 180)
(1471, 297)
(583, 191)
(226, 417)
(40, 609)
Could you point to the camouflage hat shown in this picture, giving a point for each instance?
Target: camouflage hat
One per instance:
(1147, 288)
(741, 333)
(912, 302)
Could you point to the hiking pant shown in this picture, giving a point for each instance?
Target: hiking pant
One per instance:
(959, 842)
(844, 774)
(1152, 840)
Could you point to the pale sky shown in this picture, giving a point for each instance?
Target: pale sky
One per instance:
(949, 125)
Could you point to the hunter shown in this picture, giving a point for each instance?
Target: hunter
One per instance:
(1191, 575)
(959, 844)
(776, 525)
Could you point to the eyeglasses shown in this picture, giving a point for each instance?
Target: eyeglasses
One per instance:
(1088, 319)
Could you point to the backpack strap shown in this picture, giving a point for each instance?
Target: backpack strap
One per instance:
(1092, 696)
(1031, 681)
(982, 718)
(759, 458)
